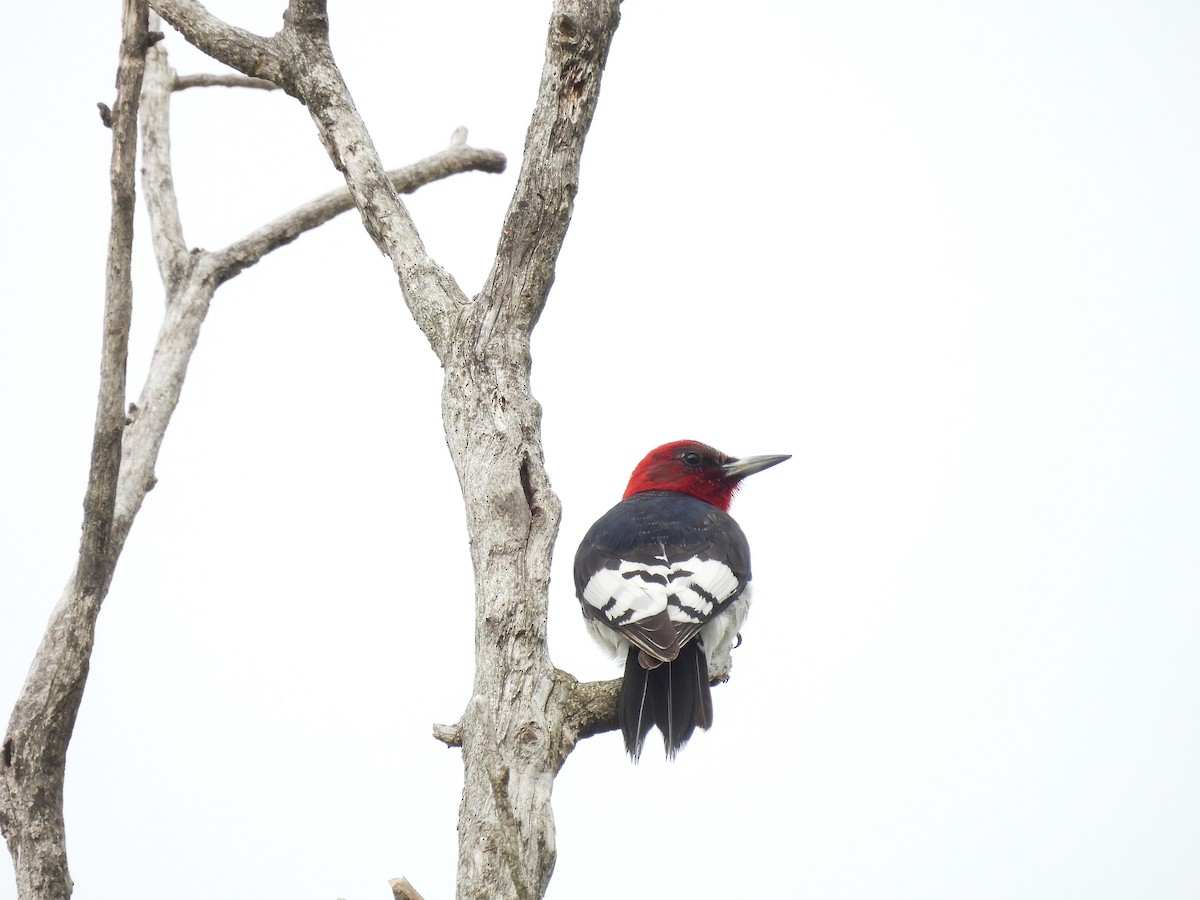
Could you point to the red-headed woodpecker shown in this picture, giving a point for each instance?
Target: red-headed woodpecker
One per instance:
(662, 577)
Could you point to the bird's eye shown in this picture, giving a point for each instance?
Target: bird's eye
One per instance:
(692, 458)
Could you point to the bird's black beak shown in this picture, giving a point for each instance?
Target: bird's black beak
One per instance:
(739, 468)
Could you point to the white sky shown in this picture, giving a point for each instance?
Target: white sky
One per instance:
(943, 253)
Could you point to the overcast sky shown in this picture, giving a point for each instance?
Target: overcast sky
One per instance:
(945, 254)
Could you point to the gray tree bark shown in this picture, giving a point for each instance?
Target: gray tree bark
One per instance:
(126, 443)
(34, 758)
(524, 716)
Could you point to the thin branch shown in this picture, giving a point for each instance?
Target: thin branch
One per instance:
(101, 494)
(452, 161)
(183, 82)
(300, 60)
(188, 305)
(170, 248)
(177, 338)
(192, 278)
(33, 762)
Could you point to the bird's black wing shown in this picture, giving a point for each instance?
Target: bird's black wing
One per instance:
(658, 566)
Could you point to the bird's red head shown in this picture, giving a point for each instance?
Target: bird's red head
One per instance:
(690, 467)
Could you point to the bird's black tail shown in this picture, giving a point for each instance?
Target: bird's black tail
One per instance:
(674, 696)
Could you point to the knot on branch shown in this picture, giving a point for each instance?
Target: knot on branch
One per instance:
(266, 67)
(531, 741)
(568, 30)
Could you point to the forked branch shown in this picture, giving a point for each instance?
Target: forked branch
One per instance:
(300, 61)
(126, 443)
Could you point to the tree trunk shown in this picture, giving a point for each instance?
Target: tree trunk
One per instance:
(524, 716)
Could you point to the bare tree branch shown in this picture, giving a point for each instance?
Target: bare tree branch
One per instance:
(300, 60)
(251, 54)
(32, 766)
(195, 276)
(402, 890)
(541, 206)
(591, 708)
(101, 496)
(183, 82)
(450, 735)
(206, 31)
(126, 445)
(533, 714)
(170, 248)
(491, 420)
(452, 161)
(525, 716)
(310, 74)
(190, 279)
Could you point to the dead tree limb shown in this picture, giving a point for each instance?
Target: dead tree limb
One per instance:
(33, 762)
(127, 442)
(183, 82)
(524, 716)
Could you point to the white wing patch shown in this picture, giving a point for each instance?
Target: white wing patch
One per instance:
(624, 600)
(689, 591)
(699, 587)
